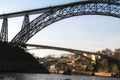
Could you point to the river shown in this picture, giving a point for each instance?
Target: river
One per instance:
(29, 76)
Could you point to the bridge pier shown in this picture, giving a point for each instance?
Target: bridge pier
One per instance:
(26, 21)
(4, 30)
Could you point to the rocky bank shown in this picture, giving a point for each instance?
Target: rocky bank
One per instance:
(15, 59)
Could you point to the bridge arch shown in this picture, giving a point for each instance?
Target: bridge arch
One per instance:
(65, 11)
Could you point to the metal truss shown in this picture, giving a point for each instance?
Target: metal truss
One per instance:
(4, 30)
(66, 11)
(26, 21)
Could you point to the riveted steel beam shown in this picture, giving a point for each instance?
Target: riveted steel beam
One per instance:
(26, 21)
(4, 30)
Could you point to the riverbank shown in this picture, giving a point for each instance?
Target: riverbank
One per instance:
(105, 74)
(102, 74)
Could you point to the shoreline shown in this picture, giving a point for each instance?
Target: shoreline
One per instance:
(99, 74)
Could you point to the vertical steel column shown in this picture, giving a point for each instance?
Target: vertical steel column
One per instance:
(4, 30)
(25, 24)
(25, 21)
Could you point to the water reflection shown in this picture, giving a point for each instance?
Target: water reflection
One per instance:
(26, 76)
(67, 79)
(11, 76)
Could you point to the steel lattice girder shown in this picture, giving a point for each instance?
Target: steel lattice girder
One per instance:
(4, 30)
(26, 21)
(56, 14)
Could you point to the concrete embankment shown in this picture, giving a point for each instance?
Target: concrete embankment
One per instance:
(93, 73)
(102, 74)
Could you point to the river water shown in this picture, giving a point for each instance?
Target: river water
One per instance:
(26, 76)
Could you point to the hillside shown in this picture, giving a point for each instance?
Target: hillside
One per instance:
(15, 59)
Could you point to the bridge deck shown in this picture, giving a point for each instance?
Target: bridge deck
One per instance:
(62, 49)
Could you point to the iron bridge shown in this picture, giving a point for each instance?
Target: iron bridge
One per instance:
(53, 14)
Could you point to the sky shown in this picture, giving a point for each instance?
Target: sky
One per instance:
(87, 32)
